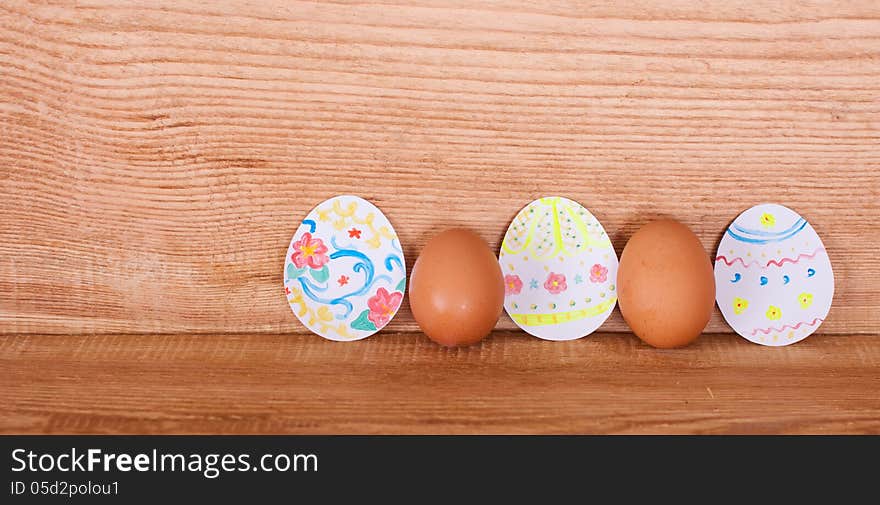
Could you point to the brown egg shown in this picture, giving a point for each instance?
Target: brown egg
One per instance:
(456, 290)
(665, 283)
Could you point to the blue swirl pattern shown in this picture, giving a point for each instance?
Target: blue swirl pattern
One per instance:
(364, 265)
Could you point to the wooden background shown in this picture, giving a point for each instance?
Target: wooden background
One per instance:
(156, 157)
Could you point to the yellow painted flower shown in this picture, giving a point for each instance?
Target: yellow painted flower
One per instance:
(768, 220)
(806, 300)
(774, 313)
(740, 305)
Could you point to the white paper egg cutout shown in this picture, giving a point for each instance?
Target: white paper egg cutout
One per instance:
(773, 277)
(344, 273)
(560, 270)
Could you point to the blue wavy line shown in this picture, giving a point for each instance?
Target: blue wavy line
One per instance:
(336, 301)
(311, 224)
(336, 246)
(769, 234)
(303, 280)
(765, 240)
(390, 260)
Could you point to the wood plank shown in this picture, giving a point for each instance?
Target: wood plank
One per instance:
(403, 383)
(157, 155)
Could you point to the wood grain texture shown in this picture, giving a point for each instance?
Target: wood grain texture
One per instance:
(156, 157)
(403, 383)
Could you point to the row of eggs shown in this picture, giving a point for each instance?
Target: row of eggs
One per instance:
(558, 276)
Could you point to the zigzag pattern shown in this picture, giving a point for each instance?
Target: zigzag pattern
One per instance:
(732, 261)
(766, 331)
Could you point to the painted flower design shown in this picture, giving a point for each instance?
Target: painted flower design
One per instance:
(555, 283)
(740, 305)
(768, 220)
(309, 251)
(774, 313)
(598, 273)
(382, 306)
(512, 284)
(806, 299)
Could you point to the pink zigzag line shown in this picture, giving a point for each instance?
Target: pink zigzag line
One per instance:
(771, 262)
(784, 326)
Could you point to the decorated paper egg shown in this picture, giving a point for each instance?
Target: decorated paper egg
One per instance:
(559, 270)
(344, 274)
(773, 276)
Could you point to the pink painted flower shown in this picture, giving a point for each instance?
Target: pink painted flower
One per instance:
(598, 273)
(309, 251)
(555, 283)
(382, 306)
(512, 284)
